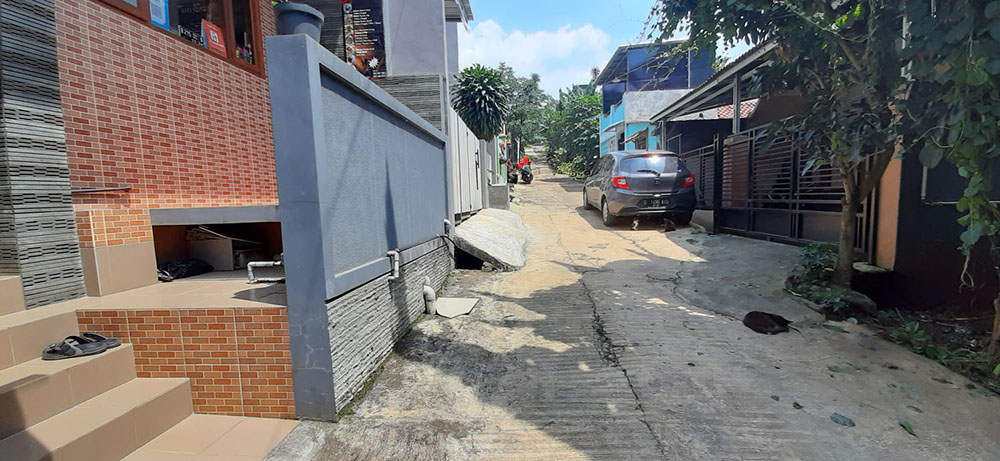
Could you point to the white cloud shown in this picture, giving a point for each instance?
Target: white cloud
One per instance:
(562, 57)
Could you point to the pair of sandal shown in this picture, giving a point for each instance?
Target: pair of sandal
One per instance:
(79, 346)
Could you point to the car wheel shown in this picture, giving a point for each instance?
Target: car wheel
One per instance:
(586, 201)
(682, 219)
(608, 218)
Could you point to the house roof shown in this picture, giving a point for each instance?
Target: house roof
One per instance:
(616, 70)
(458, 10)
(717, 90)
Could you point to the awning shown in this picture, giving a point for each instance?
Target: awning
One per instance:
(718, 90)
(614, 126)
(637, 135)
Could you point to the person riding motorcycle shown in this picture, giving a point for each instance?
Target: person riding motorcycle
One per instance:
(525, 166)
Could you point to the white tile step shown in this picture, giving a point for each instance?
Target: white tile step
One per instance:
(203, 437)
(24, 334)
(35, 390)
(106, 427)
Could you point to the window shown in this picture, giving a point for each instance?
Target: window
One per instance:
(641, 141)
(658, 163)
(138, 8)
(243, 30)
(607, 163)
(229, 29)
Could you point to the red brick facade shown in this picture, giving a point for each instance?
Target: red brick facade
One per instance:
(146, 110)
(238, 360)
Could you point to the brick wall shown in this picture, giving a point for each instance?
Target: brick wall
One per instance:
(238, 360)
(366, 322)
(146, 110)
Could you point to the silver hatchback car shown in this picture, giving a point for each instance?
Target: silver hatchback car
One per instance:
(634, 183)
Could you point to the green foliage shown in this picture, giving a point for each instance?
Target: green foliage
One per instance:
(831, 298)
(811, 278)
(574, 167)
(842, 56)
(912, 335)
(529, 107)
(817, 261)
(573, 134)
(954, 56)
(954, 358)
(975, 364)
(482, 99)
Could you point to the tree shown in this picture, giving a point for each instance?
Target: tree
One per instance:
(844, 57)
(953, 56)
(528, 107)
(573, 134)
(482, 99)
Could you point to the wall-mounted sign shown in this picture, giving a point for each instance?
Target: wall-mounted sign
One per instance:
(364, 37)
(212, 34)
(159, 13)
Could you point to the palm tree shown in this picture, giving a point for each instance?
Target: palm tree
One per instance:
(482, 99)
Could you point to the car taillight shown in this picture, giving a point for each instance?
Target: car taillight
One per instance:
(688, 181)
(619, 182)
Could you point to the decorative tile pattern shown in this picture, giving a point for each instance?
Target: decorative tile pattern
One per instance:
(238, 360)
(37, 232)
(146, 110)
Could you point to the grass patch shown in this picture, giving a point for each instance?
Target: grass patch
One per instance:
(956, 353)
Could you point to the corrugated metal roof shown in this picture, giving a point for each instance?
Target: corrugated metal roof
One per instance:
(458, 10)
(616, 70)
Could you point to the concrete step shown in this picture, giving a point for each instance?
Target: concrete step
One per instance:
(34, 391)
(210, 436)
(11, 294)
(106, 427)
(24, 334)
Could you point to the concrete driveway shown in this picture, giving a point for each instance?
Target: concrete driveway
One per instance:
(622, 344)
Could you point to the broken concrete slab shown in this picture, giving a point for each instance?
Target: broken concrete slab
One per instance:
(494, 236)
(453, 307)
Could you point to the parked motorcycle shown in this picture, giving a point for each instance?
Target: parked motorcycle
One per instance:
(526, 176)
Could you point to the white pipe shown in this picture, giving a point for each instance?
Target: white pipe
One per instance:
(430, 298)
(253, 264)
(394, 262)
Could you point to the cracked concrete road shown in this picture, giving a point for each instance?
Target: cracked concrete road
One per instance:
(621, 344)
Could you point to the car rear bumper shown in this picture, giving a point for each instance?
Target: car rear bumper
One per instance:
(627, 203)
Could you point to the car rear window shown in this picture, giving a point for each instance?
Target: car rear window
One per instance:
(658, 163)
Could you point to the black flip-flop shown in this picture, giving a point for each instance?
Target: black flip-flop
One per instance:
(98, 338)
(72, 346)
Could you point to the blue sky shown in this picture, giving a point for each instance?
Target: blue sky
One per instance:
(561, 40)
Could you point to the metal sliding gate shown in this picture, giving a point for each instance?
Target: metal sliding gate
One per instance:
(756, 188)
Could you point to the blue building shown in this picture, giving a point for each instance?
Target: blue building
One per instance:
(637, 83)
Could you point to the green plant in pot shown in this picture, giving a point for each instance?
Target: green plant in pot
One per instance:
(297, 18)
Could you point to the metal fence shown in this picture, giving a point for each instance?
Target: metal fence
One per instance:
(701, 162)
(764, 193)
(466, 178)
